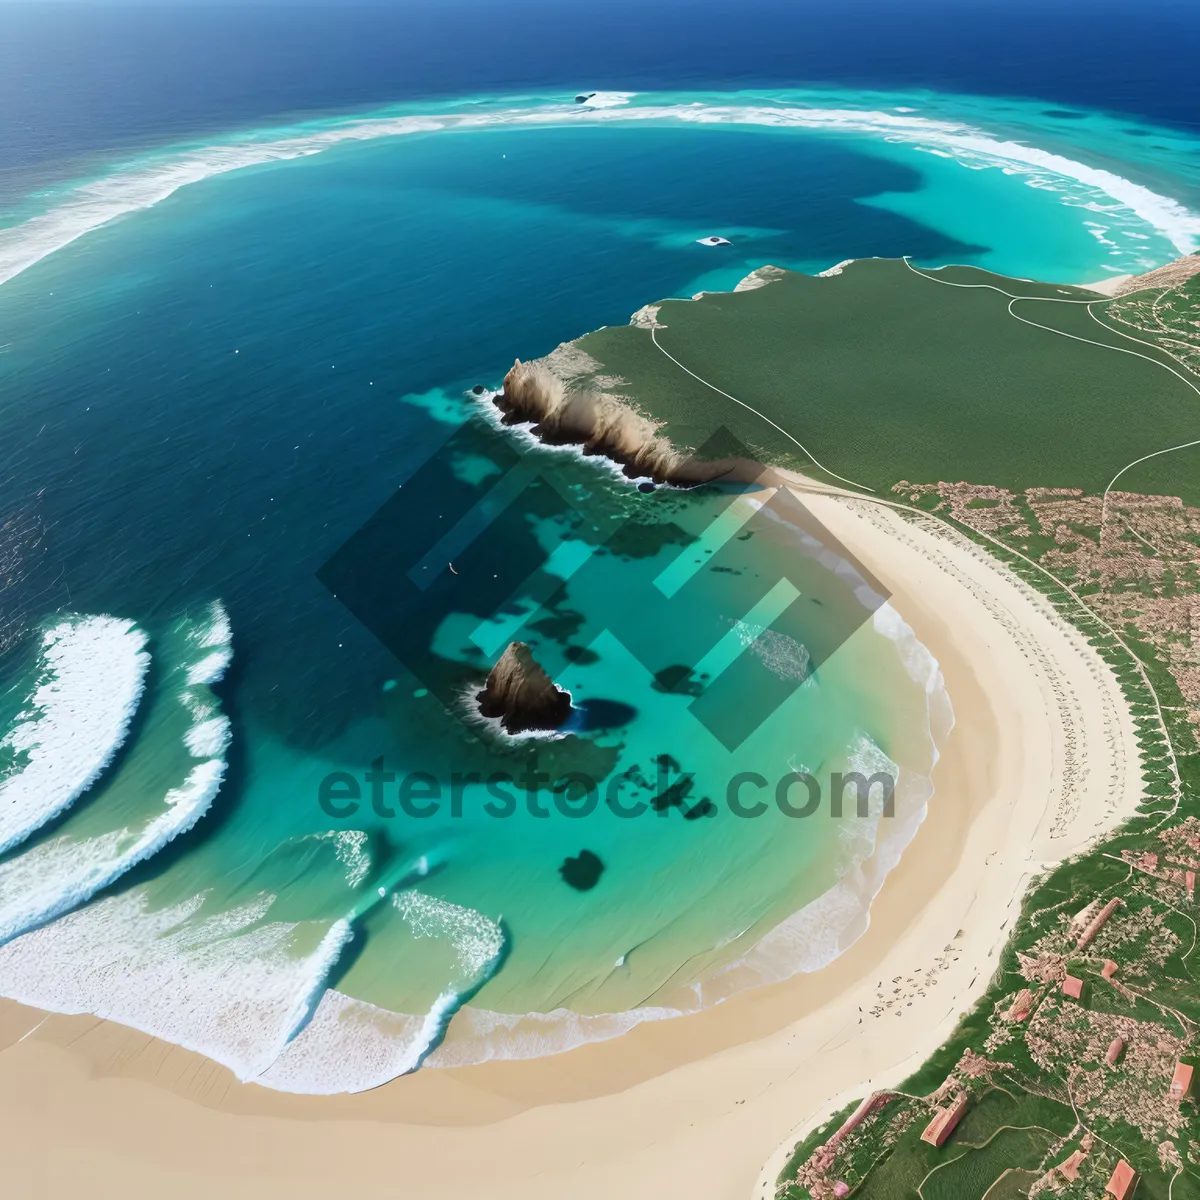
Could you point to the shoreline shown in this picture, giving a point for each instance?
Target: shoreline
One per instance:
(694, 1105)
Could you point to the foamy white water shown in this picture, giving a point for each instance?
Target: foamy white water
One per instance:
(608, 99)
(234, 986)
(143, 184)
(237, 987)
(62, 873)
(351, 1046)
(482, 1036)
(91, 674)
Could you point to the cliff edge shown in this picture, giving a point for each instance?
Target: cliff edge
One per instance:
(602, 424)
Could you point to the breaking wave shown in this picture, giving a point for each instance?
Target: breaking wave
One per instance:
(146, 182)
(234, 986)
(90, 676)
(253, 992)
(63, 872)
(351, 1046)
(59, 875)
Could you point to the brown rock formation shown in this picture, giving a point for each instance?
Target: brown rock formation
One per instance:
(603, 425)
(521, 694)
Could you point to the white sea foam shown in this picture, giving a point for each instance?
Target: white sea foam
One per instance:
(478, 941)
(481, 1036)
(216, 629)
(351, 1046)
(209, 738)
(350, 849)
(91, 674)
(233, 986)
(214, 634)
(211, 668)
(141, 185)
(608, 99)
(60, 874)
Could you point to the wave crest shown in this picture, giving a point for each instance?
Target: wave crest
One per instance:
(90, 677)
(148, 182)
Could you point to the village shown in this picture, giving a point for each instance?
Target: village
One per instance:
(1074, 1078)
(1091, 1050)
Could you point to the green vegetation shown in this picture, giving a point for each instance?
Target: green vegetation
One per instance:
(1166, 316)
(884, 374)
(888, 375)
(817, 1138)
(969, 1176)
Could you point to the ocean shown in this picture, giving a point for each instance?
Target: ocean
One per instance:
(246, 298)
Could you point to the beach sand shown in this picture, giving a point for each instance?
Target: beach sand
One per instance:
(1042, 759)
(1112, 286)
(1171, 275)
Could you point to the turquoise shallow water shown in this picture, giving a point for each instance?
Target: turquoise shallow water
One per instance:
(219, 361)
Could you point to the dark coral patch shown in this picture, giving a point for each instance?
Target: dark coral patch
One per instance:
(583, 871)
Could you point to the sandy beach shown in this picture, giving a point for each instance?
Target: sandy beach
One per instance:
(1041, 760)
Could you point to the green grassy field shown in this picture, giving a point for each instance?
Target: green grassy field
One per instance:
(970, 1176)
(884, 374)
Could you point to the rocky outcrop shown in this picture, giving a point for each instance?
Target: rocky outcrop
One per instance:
(601, 424)
(521, 695)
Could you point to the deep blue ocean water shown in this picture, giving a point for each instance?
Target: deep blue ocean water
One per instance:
(204, 397)
(81, 80)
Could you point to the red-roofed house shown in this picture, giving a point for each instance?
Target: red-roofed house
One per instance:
(1109, 969)
(1096, 922)
(1021, 1006)
(869, 1105)
(1070, 1168)
(1121, 1185)
(1072, 987)
(1181, 1083)
(942, 1125)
